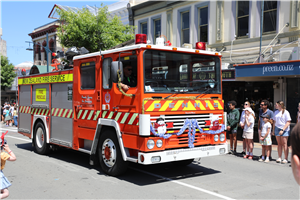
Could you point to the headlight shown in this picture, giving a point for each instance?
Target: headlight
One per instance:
(150, 144)
(222, 137)
(159, 143)
(216, 138)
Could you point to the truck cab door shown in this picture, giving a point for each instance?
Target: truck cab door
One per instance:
(86, 103)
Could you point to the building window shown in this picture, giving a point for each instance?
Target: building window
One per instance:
(87, 75)
(295, 15)
(185, 27)
(203, 24)
(270, 16)
(144, 28)
(157, 29)
(242, 18)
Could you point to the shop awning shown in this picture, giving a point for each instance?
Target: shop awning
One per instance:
(271, 69)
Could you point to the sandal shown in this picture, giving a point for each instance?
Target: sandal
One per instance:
(250, 157)
(278, 160)
(246, 156)
(284, 161)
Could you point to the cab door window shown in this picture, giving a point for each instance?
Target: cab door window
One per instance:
(106, 80)
(87, 75)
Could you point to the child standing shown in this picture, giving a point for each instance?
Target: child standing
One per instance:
(248, 132)
(10, 156)
(265, 138)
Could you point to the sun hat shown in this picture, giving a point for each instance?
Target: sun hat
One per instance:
(249, 109)
(265, 115)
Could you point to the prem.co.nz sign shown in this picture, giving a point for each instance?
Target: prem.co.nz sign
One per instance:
(268, 69)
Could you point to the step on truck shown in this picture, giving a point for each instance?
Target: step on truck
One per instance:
(173, 113)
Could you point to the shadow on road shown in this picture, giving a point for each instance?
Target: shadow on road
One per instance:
(137, 174)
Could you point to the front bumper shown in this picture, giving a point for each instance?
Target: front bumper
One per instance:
(182, 154)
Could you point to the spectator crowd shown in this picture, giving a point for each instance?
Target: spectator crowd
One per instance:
(270, 124)
(9, 114)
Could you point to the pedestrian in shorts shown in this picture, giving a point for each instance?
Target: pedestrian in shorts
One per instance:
(265, 138)
(248, 132)
(242, 124)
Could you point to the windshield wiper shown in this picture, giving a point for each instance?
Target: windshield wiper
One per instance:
(208, 89)
(175, 93)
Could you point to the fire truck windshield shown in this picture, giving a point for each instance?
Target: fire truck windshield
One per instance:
(176, 72)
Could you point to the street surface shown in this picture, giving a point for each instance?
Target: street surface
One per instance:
(66, 174)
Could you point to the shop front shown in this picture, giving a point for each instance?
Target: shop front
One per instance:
(283, 78)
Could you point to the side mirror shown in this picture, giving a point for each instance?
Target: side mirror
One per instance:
(114, 71)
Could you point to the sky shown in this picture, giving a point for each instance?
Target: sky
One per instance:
(19, 18)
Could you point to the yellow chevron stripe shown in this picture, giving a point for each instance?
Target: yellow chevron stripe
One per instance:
(219, 105)
(201, 105)
(165, 106)
(177, 105)
(151, 107)
(190, 106)
(124, 118)
(209, 105)
(90, 115)
(97, 114)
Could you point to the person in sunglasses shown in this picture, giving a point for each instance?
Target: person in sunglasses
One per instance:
(242, 124)
(129, 80)
(264, 110)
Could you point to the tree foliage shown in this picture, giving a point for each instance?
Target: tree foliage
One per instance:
(7, 73)
(84, 29)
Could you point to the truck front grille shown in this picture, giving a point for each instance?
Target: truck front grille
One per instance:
(178, 122)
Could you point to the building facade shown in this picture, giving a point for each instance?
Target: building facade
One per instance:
(39, 35)
(240, 30)
(3, 49)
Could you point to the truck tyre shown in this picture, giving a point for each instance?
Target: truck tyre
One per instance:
(110, 157)
(39, 138)
(183, 163)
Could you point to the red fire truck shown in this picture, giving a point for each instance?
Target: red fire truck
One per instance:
(174, 113)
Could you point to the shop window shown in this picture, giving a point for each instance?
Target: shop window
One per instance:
(106, 80)
(185, 27)
(203, 24)
(87, 75)
(270, 16)
(242, 18)
(293, 97)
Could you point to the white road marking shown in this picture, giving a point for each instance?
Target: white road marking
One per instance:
(27, 140)
(184, 184)
(8, 129)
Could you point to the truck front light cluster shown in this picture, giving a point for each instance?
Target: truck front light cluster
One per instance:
(150, 144)
(222, 137)
(159, 143)
(216, 138)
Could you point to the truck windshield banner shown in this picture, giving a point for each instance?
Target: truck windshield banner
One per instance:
(46, 79)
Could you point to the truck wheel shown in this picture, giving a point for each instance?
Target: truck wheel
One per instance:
(39, 139)
(183, 163)
(110, 157)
